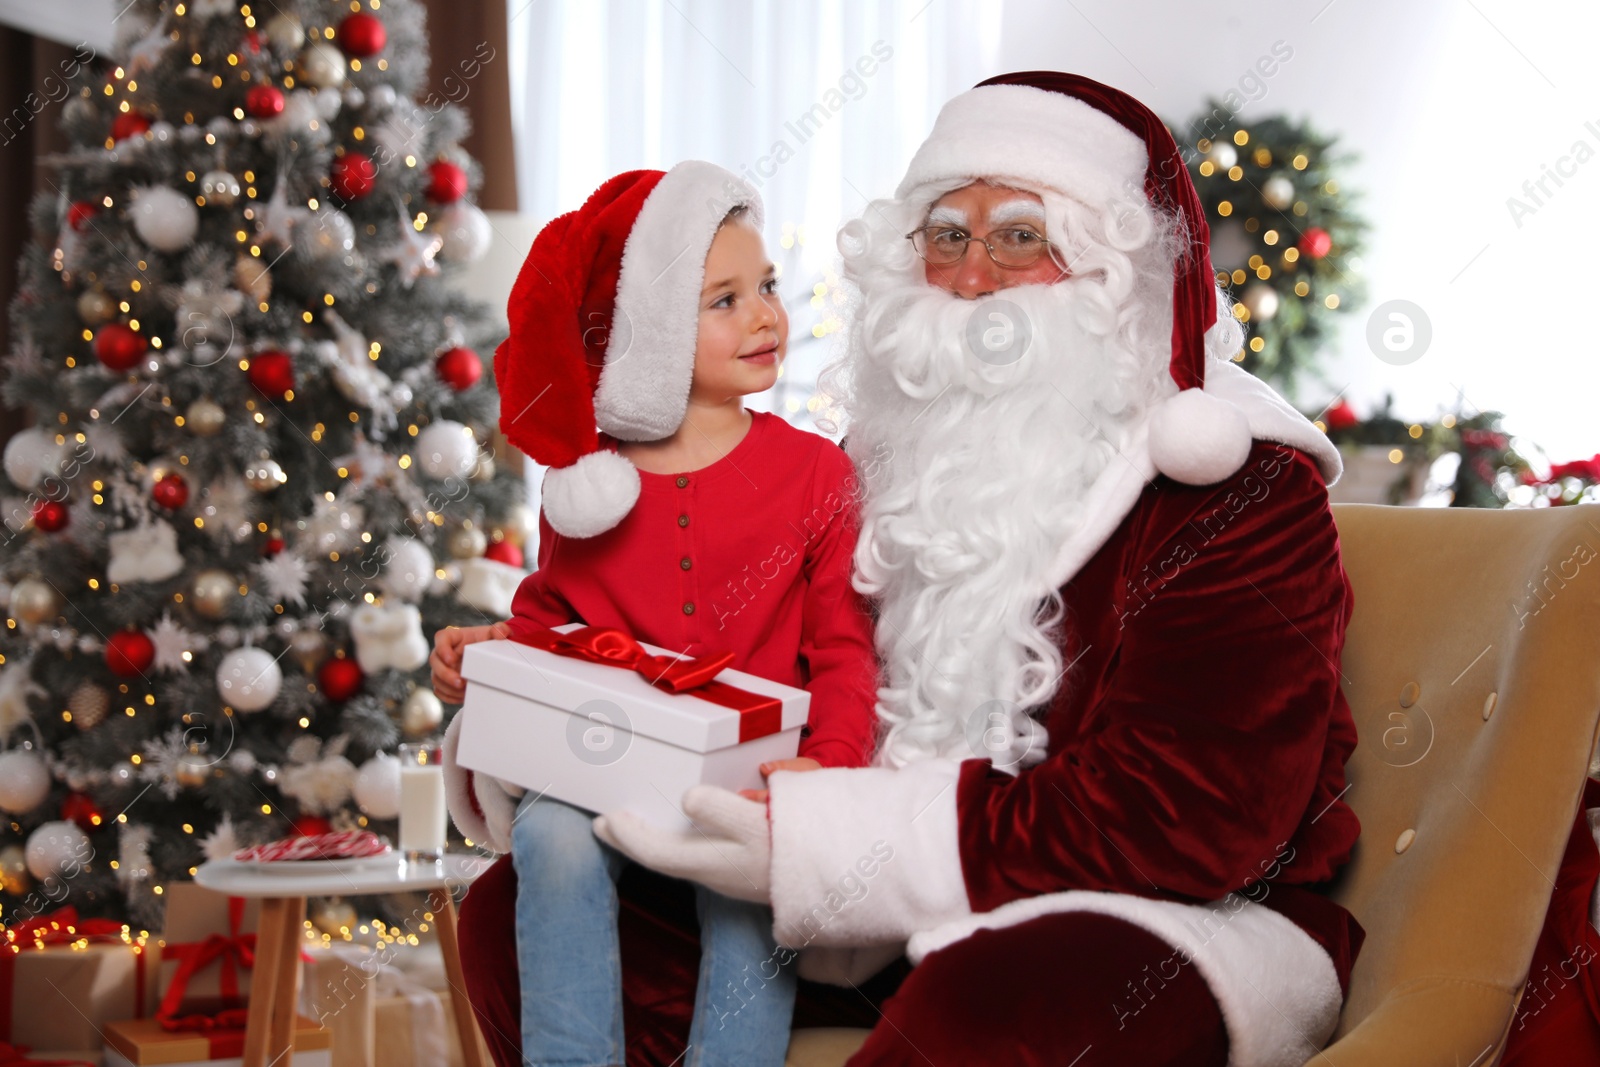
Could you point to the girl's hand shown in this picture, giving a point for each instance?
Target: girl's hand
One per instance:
(445, 662)
(799, 763)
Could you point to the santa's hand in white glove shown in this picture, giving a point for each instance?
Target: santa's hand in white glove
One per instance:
(729, 848)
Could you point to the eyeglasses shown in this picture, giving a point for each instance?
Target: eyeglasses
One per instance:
(1014, 247)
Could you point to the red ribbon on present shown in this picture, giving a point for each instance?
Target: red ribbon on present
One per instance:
(758, 715)
(230, 951)
(60, 927)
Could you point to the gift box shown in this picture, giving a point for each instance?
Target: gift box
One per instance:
(63, 978)
(146, 1041)
(590, 716)
(207, 951)
(385, 1008)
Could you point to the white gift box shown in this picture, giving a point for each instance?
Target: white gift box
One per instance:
(601, 737)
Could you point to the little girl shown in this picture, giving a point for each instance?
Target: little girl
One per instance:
(691, 523)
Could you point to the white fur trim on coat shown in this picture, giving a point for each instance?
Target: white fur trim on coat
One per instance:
(480, 805)
(1117, 489)
(1037, 137)
(864, 856)
(1278, 989)
(644, 385)
(590, 496)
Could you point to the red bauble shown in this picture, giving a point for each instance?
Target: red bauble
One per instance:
(263, 101)
(79, 214)
(118, 345)
(311, 826)
(447, 182)
(1341, 416)
(50, 516)
(1316, 242)
(79, 808)
(504, 552)
(362, 35)
(340, 679)
(272, 372)
(459, 368)
(129, 652)
(353, 175)
(128, 124)
(273, 546)
(170, 491)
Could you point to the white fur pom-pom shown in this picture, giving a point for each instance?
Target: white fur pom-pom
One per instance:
(592, 495)
(1197, 438)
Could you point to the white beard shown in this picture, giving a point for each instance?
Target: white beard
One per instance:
(974, 473)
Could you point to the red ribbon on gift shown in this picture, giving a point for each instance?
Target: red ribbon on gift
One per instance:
(60, 927)
(230, 951)
(758, 715)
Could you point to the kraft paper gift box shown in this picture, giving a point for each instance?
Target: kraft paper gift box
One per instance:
(62, 978)
(219, 931)
(144, 1041)
(385, 1008)
(601, 736)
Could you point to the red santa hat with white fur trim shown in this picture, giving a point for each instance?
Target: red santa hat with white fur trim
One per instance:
(604, 315)
(1094, 143)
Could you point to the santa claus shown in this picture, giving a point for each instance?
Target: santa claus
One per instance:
(1110, 610)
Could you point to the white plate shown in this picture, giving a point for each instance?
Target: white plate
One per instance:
(381, 859)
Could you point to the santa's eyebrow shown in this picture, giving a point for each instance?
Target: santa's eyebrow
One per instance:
(947, 215)
(1017, 211)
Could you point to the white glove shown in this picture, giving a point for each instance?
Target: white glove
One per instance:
(729, 849)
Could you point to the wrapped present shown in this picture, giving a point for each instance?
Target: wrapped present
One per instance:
(206, 957)
(386, 1006)
(590, 716)
(146, 1041)
(62, 978)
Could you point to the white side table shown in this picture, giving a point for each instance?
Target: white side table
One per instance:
(275, 982)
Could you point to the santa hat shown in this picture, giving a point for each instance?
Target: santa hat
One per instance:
(604, 316)
(1094, 143)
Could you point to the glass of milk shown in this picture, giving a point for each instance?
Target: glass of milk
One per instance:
(422, 809)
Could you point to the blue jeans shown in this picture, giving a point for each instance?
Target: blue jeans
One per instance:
(571, 965)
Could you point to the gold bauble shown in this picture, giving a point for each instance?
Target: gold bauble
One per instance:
(264, 475)
(192, 770)
(204, 417)
(309, 648)
(468, 542)
(321, 66)
(483, 470)
(96, 308)
(219, 187)
(88, 704)
(14, 877)
(251, 277)
(34, 601)
(334, 917)
(421, 713)
(519, 526)
(214, 590)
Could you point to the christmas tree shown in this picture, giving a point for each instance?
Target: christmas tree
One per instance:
(260, 477)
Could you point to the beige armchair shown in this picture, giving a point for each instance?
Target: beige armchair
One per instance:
(1472, 667)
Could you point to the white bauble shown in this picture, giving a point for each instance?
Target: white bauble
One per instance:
(322, 66)
(1278, 192)
(1222, 155)
(383, 96)
(24, 781)
(164, 218)
(249, 679)
(466, 231)
(1231, 245)
(447, 449)
(325, 233)
(1261, 299)
(204, 417)
(57, 847)
(377, 787)
(409, 569)
(285, 33)
(31, 457)
(220, 188)
(421, 713)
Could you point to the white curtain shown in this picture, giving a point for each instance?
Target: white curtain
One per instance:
(818, 104)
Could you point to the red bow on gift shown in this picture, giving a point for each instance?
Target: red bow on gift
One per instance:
(758, 715)
(231, 951)
(62, 926)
